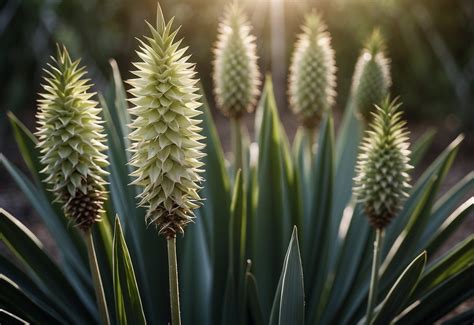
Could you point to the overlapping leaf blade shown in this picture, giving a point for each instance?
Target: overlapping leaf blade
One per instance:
(400, 292)
(317, 234)
(420, 147)
(272, 220)
(195, 274)
(215, 213)
(17, 302)
(440, 300)
(291, 302)
(128, 303)
(28, 249)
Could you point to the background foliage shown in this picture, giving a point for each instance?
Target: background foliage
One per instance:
(430, 43)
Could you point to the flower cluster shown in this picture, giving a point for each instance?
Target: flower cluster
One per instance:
(383, 164)
(236, 76)
(165, 132)
(71, 141)
(371, 80)
(312, 79)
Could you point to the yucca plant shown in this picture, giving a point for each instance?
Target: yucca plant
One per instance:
(242, 261)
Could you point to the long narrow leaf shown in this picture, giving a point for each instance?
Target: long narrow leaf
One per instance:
(272, 222)
(17, 302)
(421, 146)
(31, 290)
(216, 211)
(195, 272)
(292, 290)
(65, 236)
(457, 259)
(449, 226)
(400, 291)
(128, 303)
(318, 228)
(29, 250)
(440, 300)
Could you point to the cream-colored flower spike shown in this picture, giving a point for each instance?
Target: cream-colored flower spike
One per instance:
(312, 79)
(71, 140)
(371, 81)
(165, 132)
(382, 180)
(236, 76)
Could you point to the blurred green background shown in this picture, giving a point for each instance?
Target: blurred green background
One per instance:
(430, 42)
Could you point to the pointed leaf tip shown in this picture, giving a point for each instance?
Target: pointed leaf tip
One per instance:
(160, 18)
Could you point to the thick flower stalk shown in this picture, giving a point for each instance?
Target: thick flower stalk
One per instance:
(236, 76)
(71, 141)
(371, 79)
(382, 177)
(312, 78)
(165, 137)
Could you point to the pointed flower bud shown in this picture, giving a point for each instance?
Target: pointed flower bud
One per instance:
(382, 169)
(236, 75)
(312, 72)
(165, 132)
(371, 79)
(71, 140)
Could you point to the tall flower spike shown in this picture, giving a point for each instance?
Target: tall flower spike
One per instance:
(371, 79)
(383, 164)
(165, 137)
(71, 140)
(236, 75)
(312, 79)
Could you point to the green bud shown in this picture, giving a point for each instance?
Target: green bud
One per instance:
(71, 140)
(312, 72)
(165, 132)
(382, 169)
(371, 80)
(236, 75)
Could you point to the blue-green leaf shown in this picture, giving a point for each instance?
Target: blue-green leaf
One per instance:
(440, 300)
(448, 227)
(31, 291)
(420, 147)
(252, 299)
(454, 261)
(14, 300)
(216, 210)
(128, 303)
(347, 147)
(29, 250)
(400, 291)
(195, 272)
(272, 222)
(292, 309)
(317, 234)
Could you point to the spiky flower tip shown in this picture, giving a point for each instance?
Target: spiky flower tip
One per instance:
(71, 141)
(236, 76)
(312, 79)
(382, 169)
(371, 79)
(165, 137)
